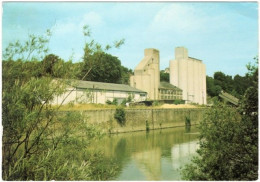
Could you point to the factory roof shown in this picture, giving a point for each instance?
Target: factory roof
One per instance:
(105, 86)
(166, 85)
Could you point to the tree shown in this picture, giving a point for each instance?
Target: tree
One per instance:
(104, 68)
(228, 141)
(212, 89)
(164, 76)
(224, 81)
(48, 63)
(39, 142)
(125, 75)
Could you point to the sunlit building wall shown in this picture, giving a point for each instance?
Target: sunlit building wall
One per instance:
(147, 74)
(189, 74)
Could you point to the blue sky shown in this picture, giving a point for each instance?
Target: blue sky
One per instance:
(224, 35)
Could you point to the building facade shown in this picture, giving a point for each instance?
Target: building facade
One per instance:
(98, 93)
(147, 74)
(189, 74)
(147, 78)
(169, 92)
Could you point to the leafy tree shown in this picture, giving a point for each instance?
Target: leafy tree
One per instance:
(212, 89)
(36, 47)
(228, 140)
(125, 75)
(48, 63)
(224, 81)
(164, 76)
(39, 143)
(104, 68)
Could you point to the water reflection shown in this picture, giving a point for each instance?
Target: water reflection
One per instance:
(181, 152)
(149, 162)
(156, 155)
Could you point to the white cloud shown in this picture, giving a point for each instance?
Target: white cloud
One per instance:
(75, 24)
(178, 17)
(92, 19)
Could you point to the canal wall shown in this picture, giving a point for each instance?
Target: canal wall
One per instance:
(141, 119)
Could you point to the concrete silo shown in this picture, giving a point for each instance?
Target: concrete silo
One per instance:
(189, 74)
(147, 74)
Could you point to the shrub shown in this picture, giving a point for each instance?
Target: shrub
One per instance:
(120, 116)
(176, 102)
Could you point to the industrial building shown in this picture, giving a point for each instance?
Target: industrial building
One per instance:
(147, 78)
(187, 77)
(187, 82)
(98, 93)
(189, 74)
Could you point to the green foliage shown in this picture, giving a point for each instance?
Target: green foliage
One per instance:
(108, 102)
(39, 142)
(228, 141)
(36, 47)
(212, 89)
(164, 76)
(156, 103)
(235, 86)
(101, 66)
(114, 102)
(125, 75)
(104, 68)
(120, 116)
(176, 102)
(129, 99)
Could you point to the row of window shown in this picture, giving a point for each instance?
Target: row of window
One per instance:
(165, 97)
(175, 92)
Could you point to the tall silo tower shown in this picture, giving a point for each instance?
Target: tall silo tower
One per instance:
(189, 74)
(147, 74)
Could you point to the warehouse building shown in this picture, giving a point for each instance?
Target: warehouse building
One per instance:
(98, 93)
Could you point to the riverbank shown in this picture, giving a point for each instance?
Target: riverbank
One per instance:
(140, 119)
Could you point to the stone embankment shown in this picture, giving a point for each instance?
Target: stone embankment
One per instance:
(140, 119)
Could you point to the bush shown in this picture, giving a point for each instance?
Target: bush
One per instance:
(227, 150)
(176, 102)
(114, 102)
(156, 103)
(120, 116)
(108, 102)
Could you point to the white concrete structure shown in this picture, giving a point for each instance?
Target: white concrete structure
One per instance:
(189, 74)
(99, 93)
(147, 77)
(147, 74)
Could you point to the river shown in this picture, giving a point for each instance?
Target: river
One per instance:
(153, 155)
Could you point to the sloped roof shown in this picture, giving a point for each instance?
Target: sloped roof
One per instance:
(105, 86)
(166, 85)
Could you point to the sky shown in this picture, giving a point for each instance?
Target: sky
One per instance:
(222, 34)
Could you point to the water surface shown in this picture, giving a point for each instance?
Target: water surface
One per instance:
(156, 155)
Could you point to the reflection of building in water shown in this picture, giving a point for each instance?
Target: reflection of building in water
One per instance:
(181, 152)
(149, 162)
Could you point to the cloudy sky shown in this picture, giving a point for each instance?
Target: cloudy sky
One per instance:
(223, 35)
